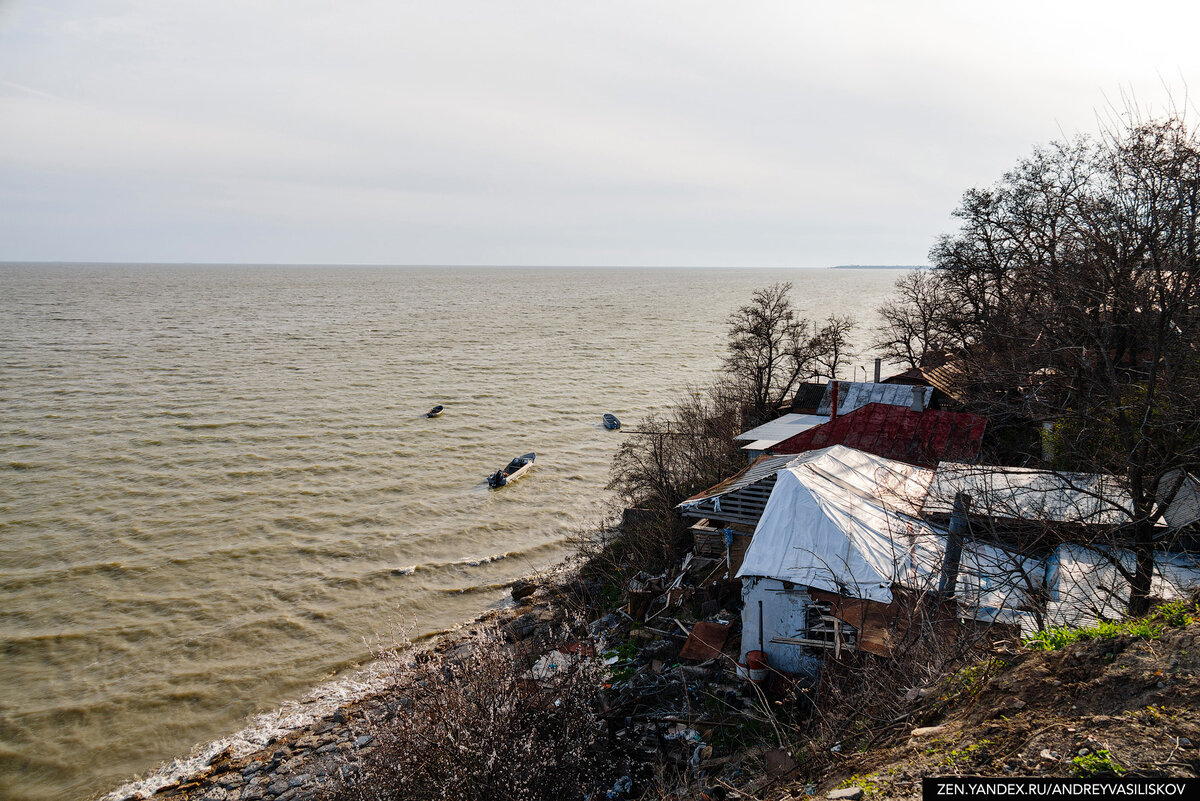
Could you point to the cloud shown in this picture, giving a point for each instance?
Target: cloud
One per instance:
(480, 123)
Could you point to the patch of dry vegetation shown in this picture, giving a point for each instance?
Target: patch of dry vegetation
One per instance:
(485, 721)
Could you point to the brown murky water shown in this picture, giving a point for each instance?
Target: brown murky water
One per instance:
(218, 482)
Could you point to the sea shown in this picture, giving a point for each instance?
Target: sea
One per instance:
(219, 486)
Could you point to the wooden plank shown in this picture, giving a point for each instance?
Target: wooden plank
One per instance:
(810, 643)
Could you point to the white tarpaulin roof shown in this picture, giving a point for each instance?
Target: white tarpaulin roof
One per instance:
(844, 521)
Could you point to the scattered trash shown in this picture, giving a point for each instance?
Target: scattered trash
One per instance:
(620, 787)
(549, 665)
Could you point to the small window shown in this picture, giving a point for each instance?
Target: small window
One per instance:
(823, 627)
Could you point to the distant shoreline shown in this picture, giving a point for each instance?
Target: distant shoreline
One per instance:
(880, 267)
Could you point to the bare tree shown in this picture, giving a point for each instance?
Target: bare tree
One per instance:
(1077, 283)
(772, 349)
(830, 348)
(768, 349)
(921, 318)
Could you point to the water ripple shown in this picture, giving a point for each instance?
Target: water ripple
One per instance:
(219, 481)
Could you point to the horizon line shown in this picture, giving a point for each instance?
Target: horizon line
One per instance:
(33, 262)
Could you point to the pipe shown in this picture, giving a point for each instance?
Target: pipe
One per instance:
(953, 557)
(878, 364)
(760, 627)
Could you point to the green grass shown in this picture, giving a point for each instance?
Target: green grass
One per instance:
(1098, 764)
(971, 679)
(963, 756)
(1151, 627)
(869, 784)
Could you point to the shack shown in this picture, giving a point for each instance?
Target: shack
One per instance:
(839, 548)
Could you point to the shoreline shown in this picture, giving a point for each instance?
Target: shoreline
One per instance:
(293, 751)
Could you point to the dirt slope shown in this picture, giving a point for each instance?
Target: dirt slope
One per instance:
(1121, 704)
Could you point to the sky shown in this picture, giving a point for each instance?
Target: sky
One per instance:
(557, 133)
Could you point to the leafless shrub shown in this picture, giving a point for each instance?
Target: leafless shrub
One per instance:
(861, 697)
(493, 723)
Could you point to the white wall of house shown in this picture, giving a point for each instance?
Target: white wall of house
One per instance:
(785, 609)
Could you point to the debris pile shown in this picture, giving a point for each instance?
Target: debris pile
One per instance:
(675, 705)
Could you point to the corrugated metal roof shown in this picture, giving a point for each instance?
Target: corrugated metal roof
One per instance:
(1085, 587)
(808, 398)
(1020, 493)
(944, 377)
(782, 427)
(856, 394)
(895, 432)
(1185, 508)
(763, 467)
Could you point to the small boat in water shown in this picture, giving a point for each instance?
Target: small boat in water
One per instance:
(611, 422)
(435, 411)
(515, 469)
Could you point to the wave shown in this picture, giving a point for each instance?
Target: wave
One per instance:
(477, 589)
(533, 554)
(469, 561)
(216, 425)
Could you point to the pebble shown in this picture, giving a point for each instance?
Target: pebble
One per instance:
(232, 779)
(928, 731)
(845, 794)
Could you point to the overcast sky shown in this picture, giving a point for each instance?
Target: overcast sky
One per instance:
(776, 134)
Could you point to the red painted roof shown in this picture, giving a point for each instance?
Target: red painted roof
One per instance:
(895, 432)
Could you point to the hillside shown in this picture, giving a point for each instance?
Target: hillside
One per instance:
(1124, 704)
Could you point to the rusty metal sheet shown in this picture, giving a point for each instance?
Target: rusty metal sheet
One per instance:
(895, 432)
(705, 641)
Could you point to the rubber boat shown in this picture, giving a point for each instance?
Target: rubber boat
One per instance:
(435, 411)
